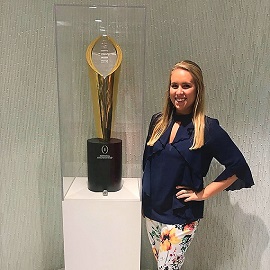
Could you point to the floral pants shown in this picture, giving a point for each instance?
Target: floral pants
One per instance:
(170, 242)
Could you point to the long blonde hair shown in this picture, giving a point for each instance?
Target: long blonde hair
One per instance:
(198, 107)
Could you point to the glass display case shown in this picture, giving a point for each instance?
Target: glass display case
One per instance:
(76, 27)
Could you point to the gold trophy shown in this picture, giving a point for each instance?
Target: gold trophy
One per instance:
(104, 154)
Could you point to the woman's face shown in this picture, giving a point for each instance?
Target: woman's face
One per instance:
(182, 91)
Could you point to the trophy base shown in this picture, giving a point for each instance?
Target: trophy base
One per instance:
(104, 162)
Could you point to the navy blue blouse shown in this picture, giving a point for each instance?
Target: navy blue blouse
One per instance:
(167, 165)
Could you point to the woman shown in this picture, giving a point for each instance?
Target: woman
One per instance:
(181, 143)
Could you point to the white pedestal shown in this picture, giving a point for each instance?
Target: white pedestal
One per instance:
(102, 232)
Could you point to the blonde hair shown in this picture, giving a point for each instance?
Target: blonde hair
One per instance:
(198, 107)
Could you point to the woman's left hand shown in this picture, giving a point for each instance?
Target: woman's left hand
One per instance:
(189, 195)
(213, 188)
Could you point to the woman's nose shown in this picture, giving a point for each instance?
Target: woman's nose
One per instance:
(179, 90)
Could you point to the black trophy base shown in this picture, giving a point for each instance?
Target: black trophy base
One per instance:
(104, 162)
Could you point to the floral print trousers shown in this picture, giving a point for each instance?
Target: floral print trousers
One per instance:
(170, 242)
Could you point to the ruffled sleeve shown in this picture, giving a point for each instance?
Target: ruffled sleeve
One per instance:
(227, 153)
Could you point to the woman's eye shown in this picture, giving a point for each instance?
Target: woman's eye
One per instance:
(186, 86)
(174, 85)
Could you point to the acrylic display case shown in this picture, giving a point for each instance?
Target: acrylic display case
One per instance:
(76, 27)
(89, 218)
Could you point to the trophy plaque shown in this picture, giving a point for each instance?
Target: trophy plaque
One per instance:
(104, 154)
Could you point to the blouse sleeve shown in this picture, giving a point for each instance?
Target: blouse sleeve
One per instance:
(227, 153)
(147, 148)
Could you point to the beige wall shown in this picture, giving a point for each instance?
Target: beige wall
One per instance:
(229, 39)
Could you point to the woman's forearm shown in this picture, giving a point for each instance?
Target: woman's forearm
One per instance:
(216, 187)
(209, 191)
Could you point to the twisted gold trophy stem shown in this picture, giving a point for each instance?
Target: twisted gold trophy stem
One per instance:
(104, 57)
